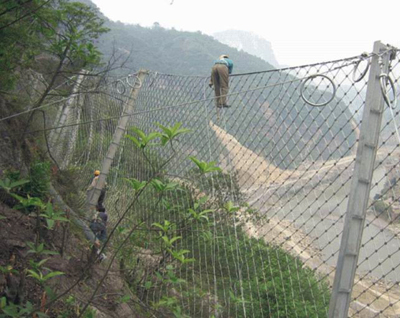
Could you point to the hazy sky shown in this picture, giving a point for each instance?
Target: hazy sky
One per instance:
(300, 31)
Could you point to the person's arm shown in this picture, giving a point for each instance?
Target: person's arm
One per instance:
(211, 81)
(93, 184)
(230, 66)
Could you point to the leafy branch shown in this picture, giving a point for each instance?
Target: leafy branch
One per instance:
(205, 167)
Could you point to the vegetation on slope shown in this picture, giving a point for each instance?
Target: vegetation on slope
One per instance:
(173, 221)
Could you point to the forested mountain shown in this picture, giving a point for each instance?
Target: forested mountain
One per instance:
(248, 42)
(171, 51)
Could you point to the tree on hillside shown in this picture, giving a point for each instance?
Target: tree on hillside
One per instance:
(69, 34)
(20, 31)
(60, 33)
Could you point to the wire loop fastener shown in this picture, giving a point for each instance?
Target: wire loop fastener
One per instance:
(310, 78)
(384, 80)
(364, 72)
(137, 83)
(120, 86)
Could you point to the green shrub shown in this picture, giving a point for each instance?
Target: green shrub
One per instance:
(39, 176)
(274, 283)
(282, 286)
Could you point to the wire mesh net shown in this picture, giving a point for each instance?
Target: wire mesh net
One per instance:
(260, 237)
(286, 164)
(376, 288)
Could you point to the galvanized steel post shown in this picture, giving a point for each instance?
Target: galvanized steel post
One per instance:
(115, 143)
(360, 187)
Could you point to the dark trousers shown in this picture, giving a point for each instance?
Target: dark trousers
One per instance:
(101, 198)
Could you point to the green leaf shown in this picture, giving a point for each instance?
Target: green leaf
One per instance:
(207, 236)
(8, 185)
(203, 199)
(51, 216)
(169, 133)
(148, 285)
(52, 274)
(169, 242)
(43, 261)
(164, 227)
(36, 275)
(166, 240)
(3, 302)
(159, 186)
(50, 223)
(229, 207)
(18, 183)
(205, 167)
(29, 201)
(39, 249)
(122, 230)
(60, 218)
(124, 299)
(136, 184)
(134, 140)
(174, 239)
(142, 140)
(159, 276)
(38, 264)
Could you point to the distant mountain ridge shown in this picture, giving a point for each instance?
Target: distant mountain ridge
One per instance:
(248, 42)
(171, 51)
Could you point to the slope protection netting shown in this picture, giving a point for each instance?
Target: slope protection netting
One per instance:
(289, 161)
(286, 165)
(376, 284)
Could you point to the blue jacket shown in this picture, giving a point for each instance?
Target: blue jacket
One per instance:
(227, 62)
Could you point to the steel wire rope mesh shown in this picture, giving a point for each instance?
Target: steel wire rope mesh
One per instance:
(287, 150)
(269, 152)
(377, 280)
(264, 145)
(85, 132)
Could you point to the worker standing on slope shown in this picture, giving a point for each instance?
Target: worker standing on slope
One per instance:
(98, 225)
(220, 79)
(90, 190)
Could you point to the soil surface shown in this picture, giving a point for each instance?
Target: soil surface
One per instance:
(16, 229)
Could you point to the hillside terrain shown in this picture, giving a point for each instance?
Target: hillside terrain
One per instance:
(17, 231)
(169, 50)
(181, 235)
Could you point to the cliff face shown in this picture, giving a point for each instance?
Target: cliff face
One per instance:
(249, 43)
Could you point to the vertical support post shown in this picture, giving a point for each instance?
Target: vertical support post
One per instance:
(360, 187)
(118, 134)
(64, 111)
